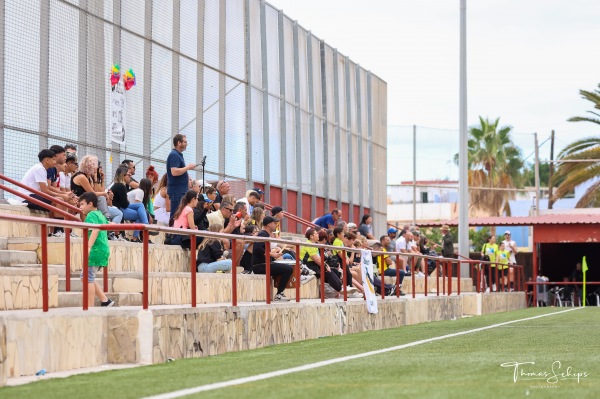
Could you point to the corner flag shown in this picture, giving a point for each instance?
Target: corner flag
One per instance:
(584, 269)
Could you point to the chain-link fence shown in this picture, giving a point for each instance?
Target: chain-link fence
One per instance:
(264, 99)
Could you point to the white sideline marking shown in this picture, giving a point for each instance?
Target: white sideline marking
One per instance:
(264, 376)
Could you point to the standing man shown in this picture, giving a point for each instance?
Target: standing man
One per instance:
(446, 243)
(177, 173)
(277, 269)
(511, 246)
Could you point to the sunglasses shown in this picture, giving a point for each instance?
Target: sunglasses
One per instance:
(229, 209)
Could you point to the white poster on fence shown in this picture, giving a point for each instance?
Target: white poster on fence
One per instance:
(366, 265)
(117, 113)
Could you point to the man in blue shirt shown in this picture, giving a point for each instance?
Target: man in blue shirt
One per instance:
(177, 172)
(329, 220)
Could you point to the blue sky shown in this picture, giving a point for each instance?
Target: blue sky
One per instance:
(527, 61)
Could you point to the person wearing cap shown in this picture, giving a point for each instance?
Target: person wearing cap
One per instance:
(283, 270)
(447, 242)
(200, 212)
(392, 232)
(511, 246)
(259, 191)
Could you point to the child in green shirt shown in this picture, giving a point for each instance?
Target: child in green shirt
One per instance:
(98, 246)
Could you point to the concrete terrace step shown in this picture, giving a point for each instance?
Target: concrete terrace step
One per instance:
(74, 299)
(12, 257)
(77, 284)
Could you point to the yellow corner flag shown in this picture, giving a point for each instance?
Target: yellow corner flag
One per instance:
(584, 269)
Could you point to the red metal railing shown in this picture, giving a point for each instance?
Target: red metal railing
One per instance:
(292, 217)
(144, 229)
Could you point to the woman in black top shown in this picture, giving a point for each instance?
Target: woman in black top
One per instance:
(210, 254)
(135, 212)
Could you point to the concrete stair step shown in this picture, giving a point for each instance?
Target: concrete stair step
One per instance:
(77, 284)
(74, 299)
(10, 257)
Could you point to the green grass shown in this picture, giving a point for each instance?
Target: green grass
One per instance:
(466, 366)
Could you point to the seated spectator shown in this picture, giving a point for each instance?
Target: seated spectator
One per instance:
(143, 194)
(132, 183)
(385, 264)
(225, 213)
(229, 198)
(37, 178)
(162, 203)
(152, 175)
(85, 181)
(210, 254)
(257, 217)
(252, 198)
(64, 176)
(329, 220)
(352, 228)
(311, 258)
(365, 228)
(392, 232)
(338, 233)
(246, 261)
(135, 212)
(277, 213)
(200, 212)
(223, 189)
(283, 270)
(377, 283)
(184, 215)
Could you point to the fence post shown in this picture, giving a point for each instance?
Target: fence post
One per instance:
(322, 277)
(68, 259)
(412, 273)
(397, 282)
(297, 273)
(268, 269)
(44, 238)
(85, 268)
(233, 274)
(193, 266)
(425, 267)
(145, 258)
(458, 278)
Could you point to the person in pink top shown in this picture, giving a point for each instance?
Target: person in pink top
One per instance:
(184, 215)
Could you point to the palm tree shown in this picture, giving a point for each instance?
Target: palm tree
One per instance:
(576, 173)
(494, 162)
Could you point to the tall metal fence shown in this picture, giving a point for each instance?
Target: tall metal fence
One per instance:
(264, 99)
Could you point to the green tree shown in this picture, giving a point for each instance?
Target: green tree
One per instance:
(494, 162)
(572, 174)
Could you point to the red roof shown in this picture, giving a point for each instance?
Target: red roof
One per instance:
(567, 218)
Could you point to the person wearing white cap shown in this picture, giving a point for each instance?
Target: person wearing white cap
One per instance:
(511, 247)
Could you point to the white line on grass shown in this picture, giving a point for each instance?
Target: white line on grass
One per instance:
(264, 376)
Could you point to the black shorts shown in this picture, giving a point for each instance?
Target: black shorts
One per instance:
(37, 207)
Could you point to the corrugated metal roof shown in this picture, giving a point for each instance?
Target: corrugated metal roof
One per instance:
(520, 220)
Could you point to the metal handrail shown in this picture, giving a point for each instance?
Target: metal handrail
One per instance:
(41, 194)
(44, 222)
(291, 216)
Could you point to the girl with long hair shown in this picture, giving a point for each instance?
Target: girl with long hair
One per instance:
(143, 194)
(162, 204)
(184, 215)
(136, 212)
(257, 217)
(210, 254)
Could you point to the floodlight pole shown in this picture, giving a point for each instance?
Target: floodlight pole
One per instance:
(463, 179)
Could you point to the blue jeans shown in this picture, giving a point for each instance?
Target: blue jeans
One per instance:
(116, 216)
(223, 265)
(136, 212)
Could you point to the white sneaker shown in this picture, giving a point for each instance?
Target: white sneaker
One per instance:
(351, 290)
(306, 279)
(58, 234)
(493, 287)
(280, 298)
(487, 290)
(355, 295)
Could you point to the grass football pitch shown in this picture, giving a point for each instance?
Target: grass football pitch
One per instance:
(445, 359)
